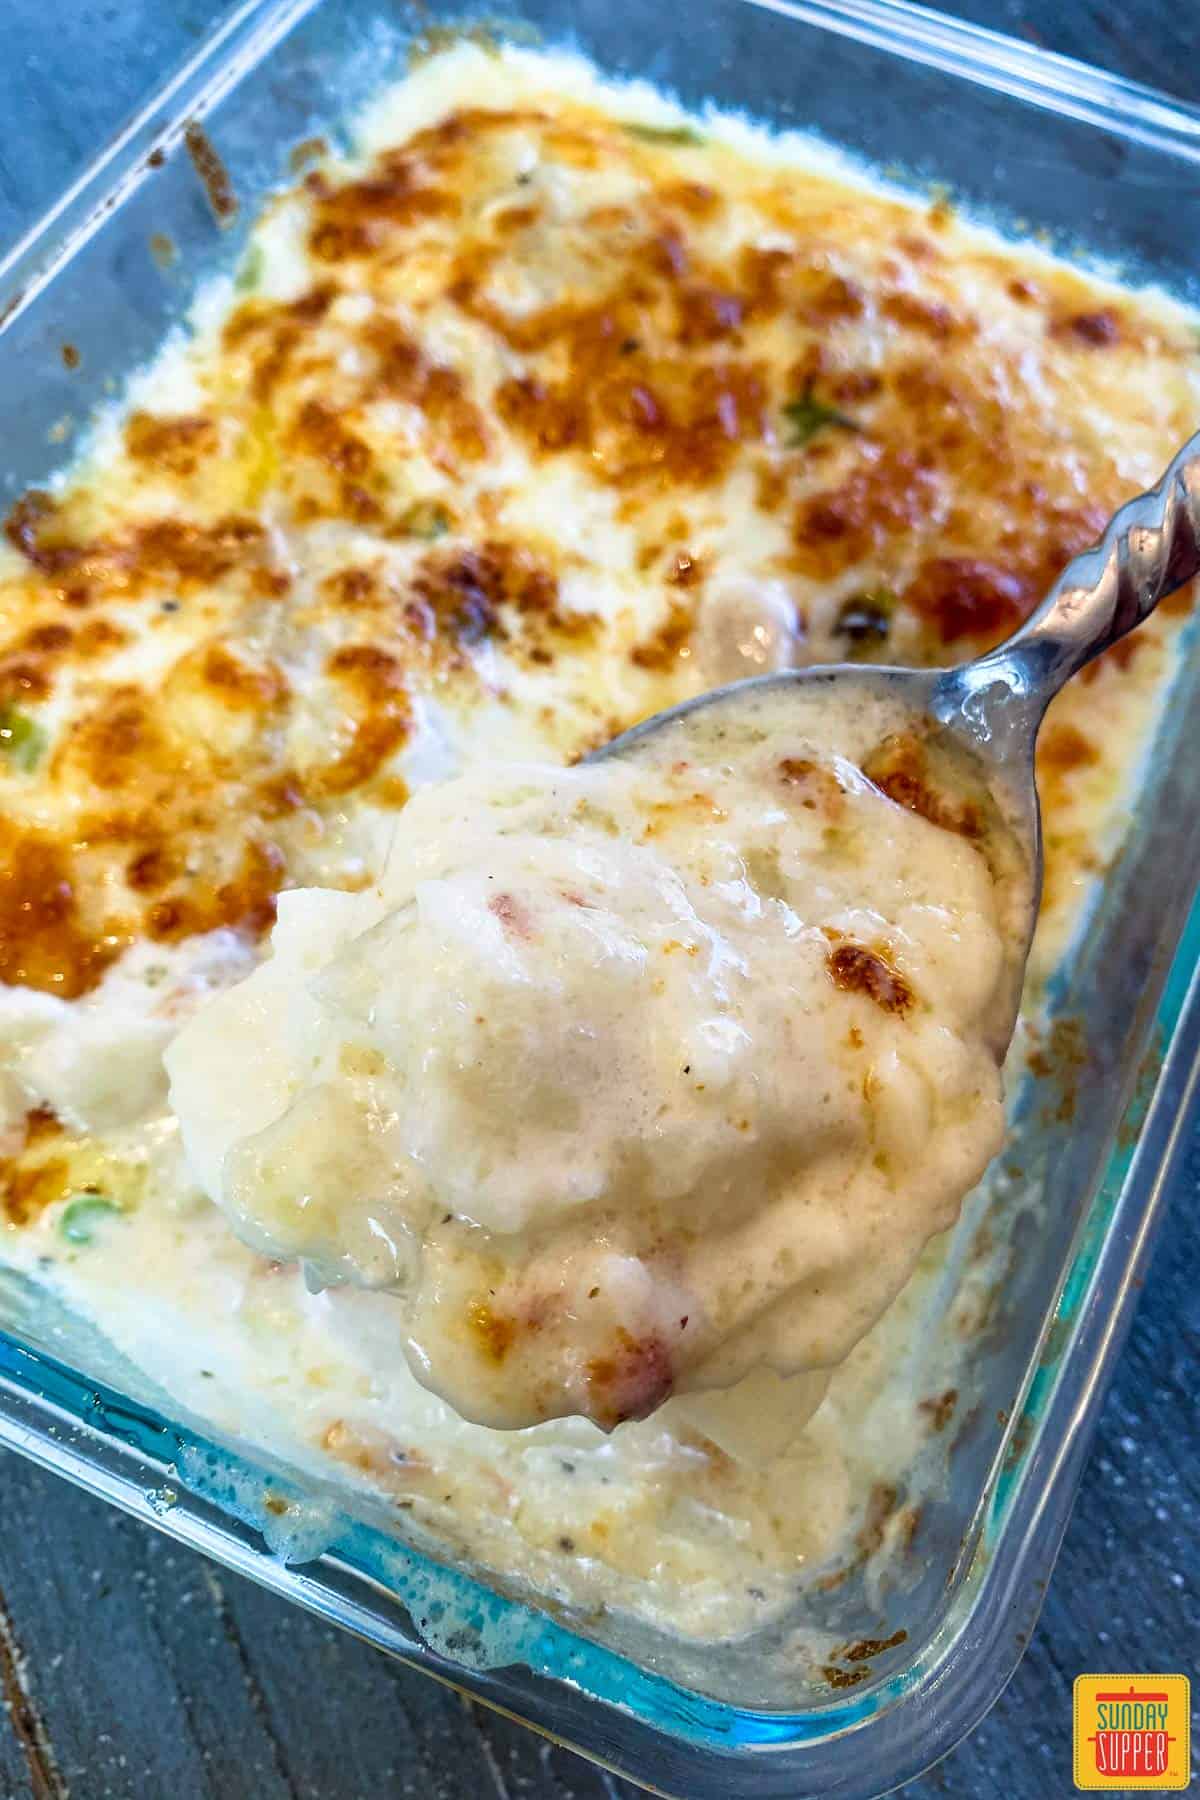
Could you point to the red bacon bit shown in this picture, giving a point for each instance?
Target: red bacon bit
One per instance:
(631, 1382)
(512, 915)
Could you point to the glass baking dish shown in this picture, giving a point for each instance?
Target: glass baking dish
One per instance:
(1037, 145)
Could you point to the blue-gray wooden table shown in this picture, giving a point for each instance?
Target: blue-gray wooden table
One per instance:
(133, 1669)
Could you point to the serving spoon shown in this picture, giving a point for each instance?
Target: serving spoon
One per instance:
(978, 722)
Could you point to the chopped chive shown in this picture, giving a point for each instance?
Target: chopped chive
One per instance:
(22, 739)
(425, 519)
(664, 134)
(80, 1219)
(866, 618)
(250, 273)
(808, 415)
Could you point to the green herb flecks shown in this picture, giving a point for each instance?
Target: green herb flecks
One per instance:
(808, 415)
(425, 519)
(865, 619)
(250, 274)
(22, 739)
(679, 135)
(82, 1217)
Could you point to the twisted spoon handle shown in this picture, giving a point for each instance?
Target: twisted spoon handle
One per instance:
(1150, 548)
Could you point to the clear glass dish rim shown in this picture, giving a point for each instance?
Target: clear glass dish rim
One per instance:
(1028, 1499)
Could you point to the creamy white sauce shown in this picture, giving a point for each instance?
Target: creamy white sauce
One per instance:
(97, 1063)
(626, 1079)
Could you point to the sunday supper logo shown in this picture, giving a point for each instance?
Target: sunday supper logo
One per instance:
(1132, 1732)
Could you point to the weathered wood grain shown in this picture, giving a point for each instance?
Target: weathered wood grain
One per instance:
(131, 1669)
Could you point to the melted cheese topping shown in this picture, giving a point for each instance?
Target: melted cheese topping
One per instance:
(546, 411)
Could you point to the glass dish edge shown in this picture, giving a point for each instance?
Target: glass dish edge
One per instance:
(1028, 1505)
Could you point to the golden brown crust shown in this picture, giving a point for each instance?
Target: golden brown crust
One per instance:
(39, 1175)
(900, 767)
(707, 323)
(860, 969)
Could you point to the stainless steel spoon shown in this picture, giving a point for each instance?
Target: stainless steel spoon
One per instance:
(984, 716)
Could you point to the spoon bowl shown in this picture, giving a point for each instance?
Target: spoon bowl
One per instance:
(973, 728)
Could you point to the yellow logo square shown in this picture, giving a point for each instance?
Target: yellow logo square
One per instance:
(1132, 1731)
